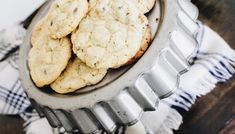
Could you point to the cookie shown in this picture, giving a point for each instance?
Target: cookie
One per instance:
(76, 76)
(144, 6)
(110, 35)
(48, 58)
(64, 16)
(38, 32)
(146, 39)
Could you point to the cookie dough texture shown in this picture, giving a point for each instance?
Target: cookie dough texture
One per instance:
(76, 76)
(64, 16)
(144, 44)
(39, 31)
(110, 35)
(48, 58)
(144, 6)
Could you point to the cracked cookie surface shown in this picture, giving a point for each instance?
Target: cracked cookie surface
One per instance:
(144, 6)
(39, 31)
(146, 39)
(76, 76)
(64, 16)
(110, 35)
(48, 58)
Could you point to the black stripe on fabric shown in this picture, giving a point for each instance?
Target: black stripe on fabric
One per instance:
(216, 76)
(3, 88)
(5, 49)
(20, 99)
(182, 111)
(12, 65)
(189, 95)
(16, 88)
(14, 99)
(228, 70)
(10, 106)
(10, 52)
(180, 102)
(185, 99)
(13, 86)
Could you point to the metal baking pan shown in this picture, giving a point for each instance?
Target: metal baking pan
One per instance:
(125, 93)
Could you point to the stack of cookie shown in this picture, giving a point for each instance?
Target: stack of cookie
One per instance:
(75, 44)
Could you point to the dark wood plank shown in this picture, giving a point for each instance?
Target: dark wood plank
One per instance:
(229, 128)
(11, 125)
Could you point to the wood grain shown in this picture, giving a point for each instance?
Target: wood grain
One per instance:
(229, 128)
(213, 113)
(11, 125)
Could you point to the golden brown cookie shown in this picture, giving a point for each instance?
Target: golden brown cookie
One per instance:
(144, 6)
(76, 76)
(48, 58)
(110, 35)
(39, 31)
(64, 16)
(145, 43)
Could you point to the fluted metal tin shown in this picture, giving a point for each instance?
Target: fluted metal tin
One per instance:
(128, 92)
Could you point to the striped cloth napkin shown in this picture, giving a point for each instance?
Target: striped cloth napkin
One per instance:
(213, 63)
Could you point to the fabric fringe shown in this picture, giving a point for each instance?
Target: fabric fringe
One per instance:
(172, 122)
(221, 68)
(10, 40)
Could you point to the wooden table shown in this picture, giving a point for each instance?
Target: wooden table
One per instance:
(213, 113)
